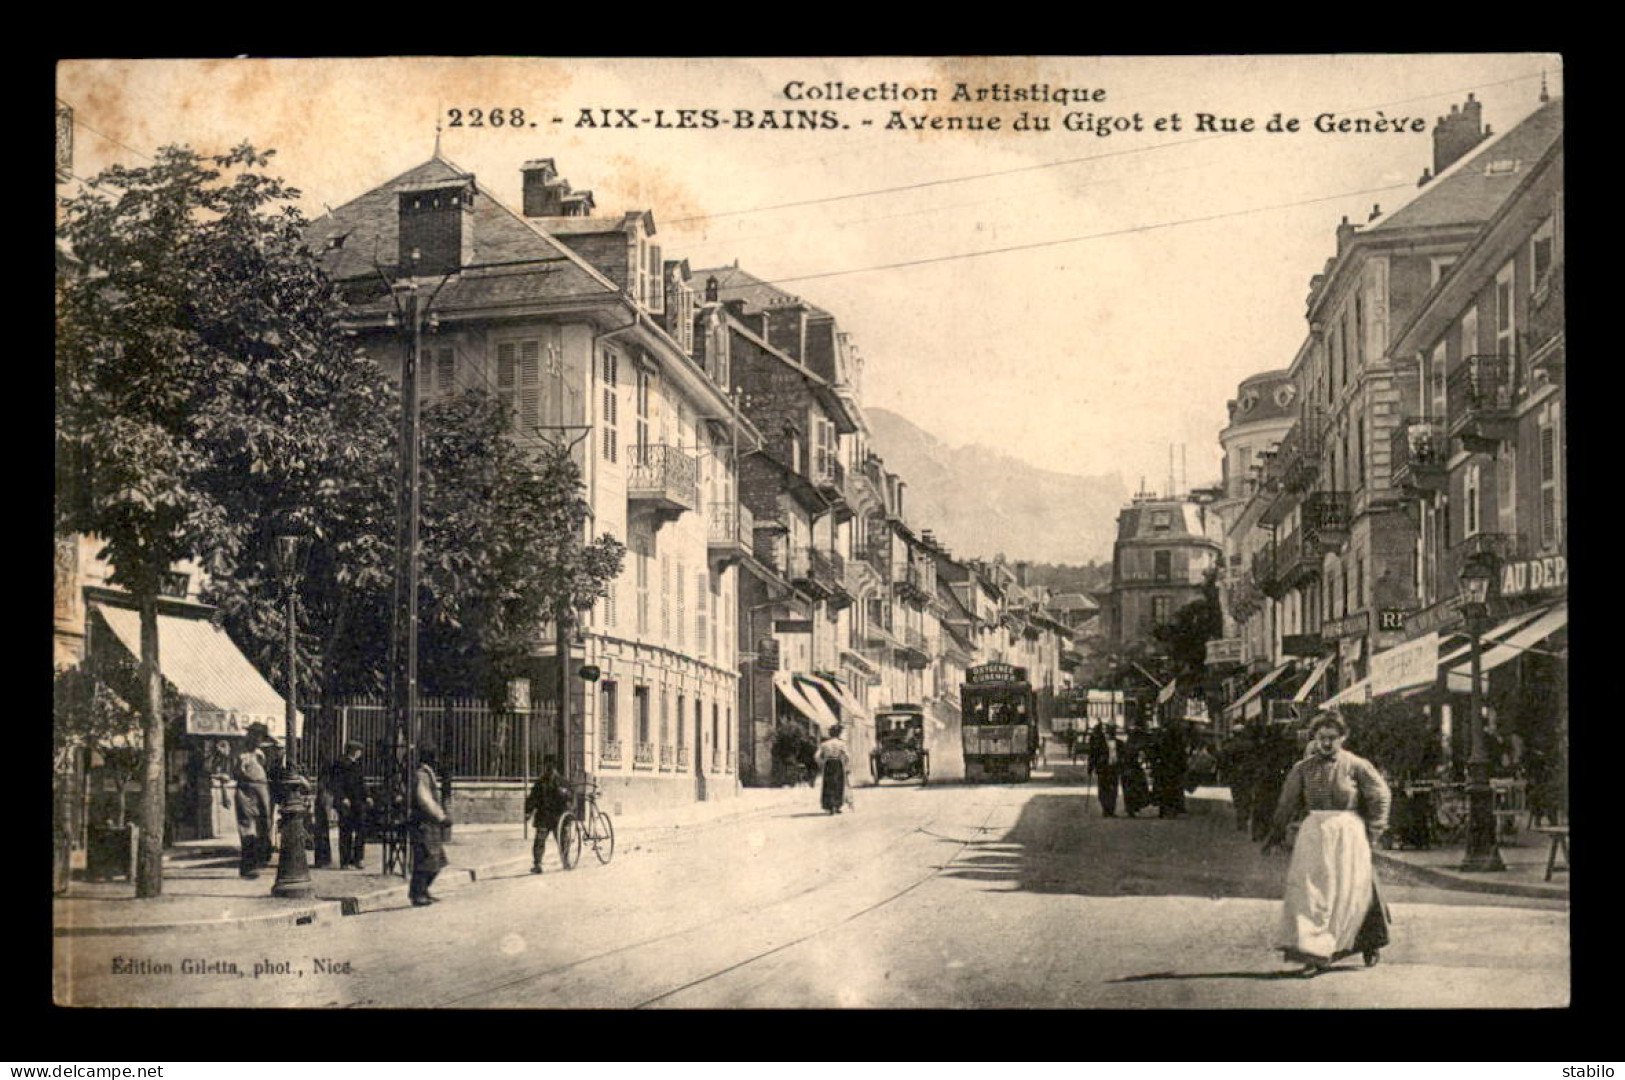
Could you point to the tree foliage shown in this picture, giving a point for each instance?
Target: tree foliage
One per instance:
(1184, 637)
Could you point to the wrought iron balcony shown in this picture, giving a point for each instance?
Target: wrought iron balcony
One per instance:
(1264, 570)
(830, 478)
(731, 531)
(1297, 561)
(1480, 399)
(1418, 450)
(912, 652)
(609, 753)
(1544, 336)
(1298, 458)
(682, 758)
(911, 586)
(667, 756)
(877, 553)
(1326, 518)
(1498, 547)
(643, 754)
(829, 569)
(662, 476)
(813, 571)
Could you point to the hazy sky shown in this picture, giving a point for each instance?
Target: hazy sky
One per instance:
(1153, 269)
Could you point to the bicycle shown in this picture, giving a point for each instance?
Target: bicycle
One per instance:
(587, 824)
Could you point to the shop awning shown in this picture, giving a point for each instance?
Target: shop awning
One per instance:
(1502, 629)
(1357, 694)
(1314, 678)
(1167, 691)
(805, 699)
(1235, 707)
(852, 711)
(1460, 677)
(223, 693)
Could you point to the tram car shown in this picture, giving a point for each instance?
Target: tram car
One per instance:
(998, 723)
(901, 753)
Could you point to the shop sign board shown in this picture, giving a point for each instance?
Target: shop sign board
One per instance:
(1544, 574)
(1224, 651)
(1415, 663)
(1348, 626)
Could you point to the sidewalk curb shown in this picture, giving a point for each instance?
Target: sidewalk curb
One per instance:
(304, 915)
(1470, 883)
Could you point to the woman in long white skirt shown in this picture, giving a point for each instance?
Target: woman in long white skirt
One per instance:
(1331, 908)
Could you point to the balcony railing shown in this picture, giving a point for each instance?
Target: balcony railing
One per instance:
(664, 476)
(643, 754)
(1544, 336)
(1499, 546)
(1479, 396)
(1299, 455)
(1296, 562)
(610, 752)
(913, 653)
(911, 585)
(877, 553)
(667, 756)
(1418, 450)
(829, 569)
(682, 758)
(1326, 517)
(1264, 569)
(731, 530)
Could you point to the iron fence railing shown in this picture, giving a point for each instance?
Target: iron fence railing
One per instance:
(475, 741)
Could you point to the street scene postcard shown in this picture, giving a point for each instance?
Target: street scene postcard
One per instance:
(788, 533)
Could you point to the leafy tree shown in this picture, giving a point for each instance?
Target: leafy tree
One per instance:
(189, 319)
(1184, 637)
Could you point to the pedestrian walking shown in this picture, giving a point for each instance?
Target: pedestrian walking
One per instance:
(834, 760)
(253, 800)
(1106, 762)
(1169, 764)
(429, 823)
(1331, 908)
(348, 783)
(1136, 791)
(549, 798)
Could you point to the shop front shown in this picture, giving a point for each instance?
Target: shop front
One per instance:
(212, 693)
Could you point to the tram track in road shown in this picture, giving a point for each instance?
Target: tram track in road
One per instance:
(749, 918)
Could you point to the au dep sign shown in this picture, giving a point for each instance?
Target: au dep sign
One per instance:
(1535, 575)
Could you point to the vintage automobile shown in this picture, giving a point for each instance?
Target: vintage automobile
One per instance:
(901, 753)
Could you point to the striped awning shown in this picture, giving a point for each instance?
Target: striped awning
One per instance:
(805, 699)
(1314, 678)
(1237, 706)
(221, 691)
(851, 711)
(1553, 619)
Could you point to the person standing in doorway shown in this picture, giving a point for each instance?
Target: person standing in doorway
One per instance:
(833, 760)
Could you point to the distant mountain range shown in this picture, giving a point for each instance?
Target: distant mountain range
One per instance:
(980, 501)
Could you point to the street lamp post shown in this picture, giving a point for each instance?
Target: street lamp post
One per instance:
(292, 867)
(1482, 854)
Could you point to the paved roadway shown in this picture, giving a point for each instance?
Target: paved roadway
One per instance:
(946, 896)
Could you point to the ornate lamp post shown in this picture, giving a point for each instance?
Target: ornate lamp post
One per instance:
(292, 868)
(1482, 854)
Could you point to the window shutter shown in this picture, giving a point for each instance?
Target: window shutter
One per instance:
(702, 631)
(530, 384)
(682, 608)
(508, 380)
(665, 597)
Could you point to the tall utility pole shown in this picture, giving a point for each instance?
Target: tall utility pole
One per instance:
(404, 748)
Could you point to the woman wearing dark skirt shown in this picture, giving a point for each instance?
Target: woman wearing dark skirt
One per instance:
(1331, 908)
(1136, 790)
(833, 761)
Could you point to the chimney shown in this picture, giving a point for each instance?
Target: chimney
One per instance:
(542, 189)
(787, 327)
(1456, 134)
(1427, 174)
(436, 227)
(1376, 212)
(1344, 231)
(711, 289)
(1021, 573)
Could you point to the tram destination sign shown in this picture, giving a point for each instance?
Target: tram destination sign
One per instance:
(994, 673)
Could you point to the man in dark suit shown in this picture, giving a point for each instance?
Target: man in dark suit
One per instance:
(1105, 761)
(347, 783)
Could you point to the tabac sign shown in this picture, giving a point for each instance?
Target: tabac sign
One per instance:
(1544, 574)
